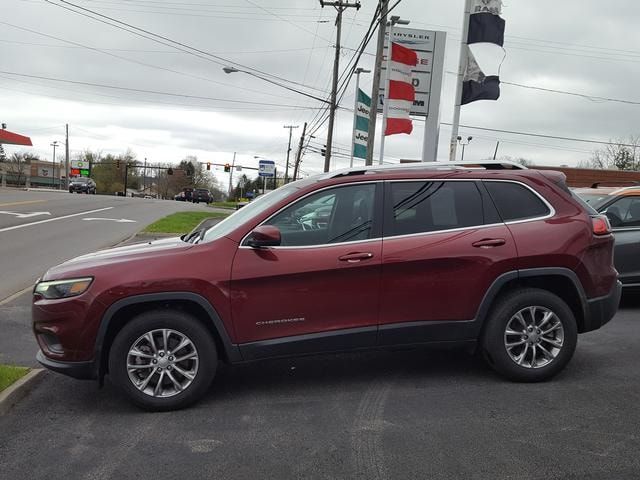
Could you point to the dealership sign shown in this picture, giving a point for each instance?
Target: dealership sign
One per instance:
(427, 74)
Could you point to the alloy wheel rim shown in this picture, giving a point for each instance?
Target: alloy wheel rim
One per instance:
(162, 363)
(534, 337)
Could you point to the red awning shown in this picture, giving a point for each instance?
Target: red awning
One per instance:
(10, 138)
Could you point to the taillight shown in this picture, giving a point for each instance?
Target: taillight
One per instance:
(601, 225)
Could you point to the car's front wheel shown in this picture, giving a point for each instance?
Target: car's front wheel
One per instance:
(530, 336)
(163, 360)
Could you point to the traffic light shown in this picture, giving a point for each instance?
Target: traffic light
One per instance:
(227, 167)
(118, 163)
(208, 165)
(323, 151)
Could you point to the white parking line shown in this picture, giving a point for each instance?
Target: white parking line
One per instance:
(53, 219)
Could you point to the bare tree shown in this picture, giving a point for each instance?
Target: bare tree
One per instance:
(620, 154)
(17, 166)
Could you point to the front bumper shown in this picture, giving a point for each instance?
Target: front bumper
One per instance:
(80, 370)
(602, 309)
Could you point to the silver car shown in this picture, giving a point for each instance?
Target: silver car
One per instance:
(622, 207)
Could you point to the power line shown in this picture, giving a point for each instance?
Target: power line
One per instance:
(144, 64)
(541, 135)
(154, 102)
(564, 92)
(139, 90)
(134, 50)
(162, 39)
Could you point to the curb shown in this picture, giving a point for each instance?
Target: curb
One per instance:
(20, 389)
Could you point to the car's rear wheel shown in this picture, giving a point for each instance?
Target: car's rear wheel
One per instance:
(530, 336)
(163, 360)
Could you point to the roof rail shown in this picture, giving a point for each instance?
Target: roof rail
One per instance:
(486, 164)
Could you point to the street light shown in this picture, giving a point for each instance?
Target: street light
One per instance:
(53, 176)
(460, 142)
(357, 71)
(236, 70)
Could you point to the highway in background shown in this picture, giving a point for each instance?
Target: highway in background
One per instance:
(41, 229)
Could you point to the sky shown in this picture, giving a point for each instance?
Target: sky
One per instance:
(165, 104)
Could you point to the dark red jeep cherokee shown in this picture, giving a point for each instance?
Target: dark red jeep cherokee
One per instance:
(491, 254)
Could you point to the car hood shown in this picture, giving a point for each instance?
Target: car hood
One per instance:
(111, 256)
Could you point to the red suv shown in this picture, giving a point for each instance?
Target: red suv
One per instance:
(490, 254)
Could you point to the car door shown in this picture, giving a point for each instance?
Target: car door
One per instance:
(443, 246)
(319, 289)
(624, 216)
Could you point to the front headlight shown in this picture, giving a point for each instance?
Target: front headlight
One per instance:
(63, 288)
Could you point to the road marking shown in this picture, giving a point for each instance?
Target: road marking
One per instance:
(12, 297)
(53, 219)
(25, 215)
(25, 202)
(118, 220)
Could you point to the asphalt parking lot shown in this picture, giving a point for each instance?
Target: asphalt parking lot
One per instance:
(405, 414)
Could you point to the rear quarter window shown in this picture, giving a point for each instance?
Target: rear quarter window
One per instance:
(515, 201)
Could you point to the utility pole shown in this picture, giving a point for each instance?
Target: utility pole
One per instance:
(126, 177)
(144, 176)
(495, 153)
(66, 157)
(233, 165)
(340, 6)
(299, 154)
(53, 162)
(375, 89)
(286, 168)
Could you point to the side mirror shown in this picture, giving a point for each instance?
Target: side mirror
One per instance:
(264, 236)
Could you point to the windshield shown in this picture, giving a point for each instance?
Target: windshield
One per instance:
(253, 209)
(596, 200)
(80, 180)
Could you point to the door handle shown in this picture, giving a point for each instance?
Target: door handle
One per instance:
(355, 257)
(489, 243)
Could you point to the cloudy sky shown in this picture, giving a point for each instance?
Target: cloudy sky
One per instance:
(165, 104)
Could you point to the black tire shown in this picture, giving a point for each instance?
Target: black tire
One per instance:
(178, 321)
(494, 338)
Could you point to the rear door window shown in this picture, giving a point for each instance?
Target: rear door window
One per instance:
(424, 206)
(516, 202)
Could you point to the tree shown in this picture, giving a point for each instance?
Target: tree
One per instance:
(620, 154)
(17, 166)
(108, 177)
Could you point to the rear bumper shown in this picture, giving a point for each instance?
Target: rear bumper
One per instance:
(602, 309)
(81, 370)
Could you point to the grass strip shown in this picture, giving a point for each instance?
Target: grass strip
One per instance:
(10, 374)
(181, 222)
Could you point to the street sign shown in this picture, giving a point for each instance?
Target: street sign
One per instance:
(427, 75)
(266, 168)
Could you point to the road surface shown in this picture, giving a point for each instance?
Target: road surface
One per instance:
(42, 229)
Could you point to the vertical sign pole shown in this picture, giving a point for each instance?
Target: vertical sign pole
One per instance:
(355, 118)
(432, 123)
(464, 56)
(385, 109)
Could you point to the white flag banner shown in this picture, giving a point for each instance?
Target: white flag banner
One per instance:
(487, 6)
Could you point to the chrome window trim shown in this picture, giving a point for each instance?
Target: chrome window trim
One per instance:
(625, 229)
(322, 245)
(551, 213)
